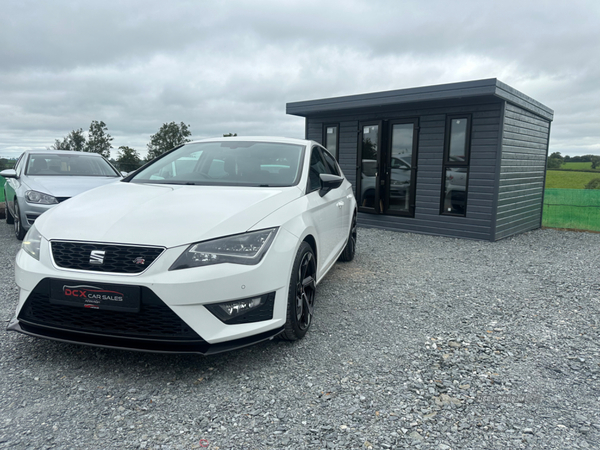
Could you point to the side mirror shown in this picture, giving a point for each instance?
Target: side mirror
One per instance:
(9, 173)
(329, 182)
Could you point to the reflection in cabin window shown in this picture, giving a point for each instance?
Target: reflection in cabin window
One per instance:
(331, 139)
(456, 166)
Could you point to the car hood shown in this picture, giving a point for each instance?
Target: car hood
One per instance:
(165, 215)
(66, 186)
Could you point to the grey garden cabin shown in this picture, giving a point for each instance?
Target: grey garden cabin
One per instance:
(463, 160)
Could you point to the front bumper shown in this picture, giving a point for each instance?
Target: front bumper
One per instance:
(178, 297)
(31, 211)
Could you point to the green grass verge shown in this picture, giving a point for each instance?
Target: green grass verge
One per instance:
(572, 208)
(557, 179)
(578, 166)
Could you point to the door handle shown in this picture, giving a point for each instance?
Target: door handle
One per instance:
(340, 204)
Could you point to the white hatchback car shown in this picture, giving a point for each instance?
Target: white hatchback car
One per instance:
(215, 245)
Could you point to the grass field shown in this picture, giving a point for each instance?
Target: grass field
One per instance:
(578, 166)
(557, 179)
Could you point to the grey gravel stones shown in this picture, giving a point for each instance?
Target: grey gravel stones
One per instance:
(421, 342)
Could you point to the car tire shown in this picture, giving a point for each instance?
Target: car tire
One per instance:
(350, 248)
(301, 294)
(19, 230)
(9, 218)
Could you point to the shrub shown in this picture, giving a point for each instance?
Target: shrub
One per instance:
(593, 184)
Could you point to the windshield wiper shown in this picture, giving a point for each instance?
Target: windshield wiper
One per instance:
(178, 183)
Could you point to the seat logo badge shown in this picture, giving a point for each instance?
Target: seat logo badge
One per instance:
(97, 256)
(139, 260)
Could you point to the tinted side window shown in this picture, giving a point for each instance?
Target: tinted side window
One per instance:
(317, 167)
(330, 160)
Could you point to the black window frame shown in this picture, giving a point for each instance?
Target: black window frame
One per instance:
(337, 139)
(447, 164)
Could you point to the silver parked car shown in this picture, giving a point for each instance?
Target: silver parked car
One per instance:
(42, 179)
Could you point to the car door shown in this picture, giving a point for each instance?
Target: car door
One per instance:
(12, 184)
(344, 203)
(326, 211)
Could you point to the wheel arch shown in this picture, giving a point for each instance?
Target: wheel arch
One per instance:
(310, 240)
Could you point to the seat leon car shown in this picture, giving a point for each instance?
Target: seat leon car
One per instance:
(42, 179)
(215, 245)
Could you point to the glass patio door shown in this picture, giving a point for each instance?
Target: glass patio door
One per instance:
(401, 168)
(387, 167)
(369, 177)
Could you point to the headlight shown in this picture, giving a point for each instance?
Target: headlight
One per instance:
(40, 197)
(247, 248)
(31, 242)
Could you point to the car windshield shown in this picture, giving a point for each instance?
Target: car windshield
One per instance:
(231, 163)
(71, 165)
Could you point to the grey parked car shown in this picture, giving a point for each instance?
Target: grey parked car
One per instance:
(42, 179)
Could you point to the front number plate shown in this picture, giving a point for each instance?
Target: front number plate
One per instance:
(113, 297)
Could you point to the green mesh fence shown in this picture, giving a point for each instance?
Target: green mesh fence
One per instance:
(572, 208)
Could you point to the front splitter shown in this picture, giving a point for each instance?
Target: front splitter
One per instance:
(137, 344)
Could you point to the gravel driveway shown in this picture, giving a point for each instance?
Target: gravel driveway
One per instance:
(421, 341)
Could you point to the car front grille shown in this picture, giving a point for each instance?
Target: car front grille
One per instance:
(155, 320)
(110, 258)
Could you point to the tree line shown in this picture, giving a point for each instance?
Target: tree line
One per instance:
(98, 140)
(6, 163)
(556, 160)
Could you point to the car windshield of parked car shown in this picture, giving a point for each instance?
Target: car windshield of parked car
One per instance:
(71, 165)
(231, 163)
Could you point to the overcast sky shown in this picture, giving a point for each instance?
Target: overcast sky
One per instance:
(231, 66)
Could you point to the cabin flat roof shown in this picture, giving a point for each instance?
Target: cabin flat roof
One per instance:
(490, 87)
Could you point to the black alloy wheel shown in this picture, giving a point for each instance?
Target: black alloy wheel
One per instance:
(19, 231)
(350, 249)
(301, 295)
(305, 291)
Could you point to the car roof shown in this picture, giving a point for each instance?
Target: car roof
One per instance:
(59, 152)
(274, 139)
